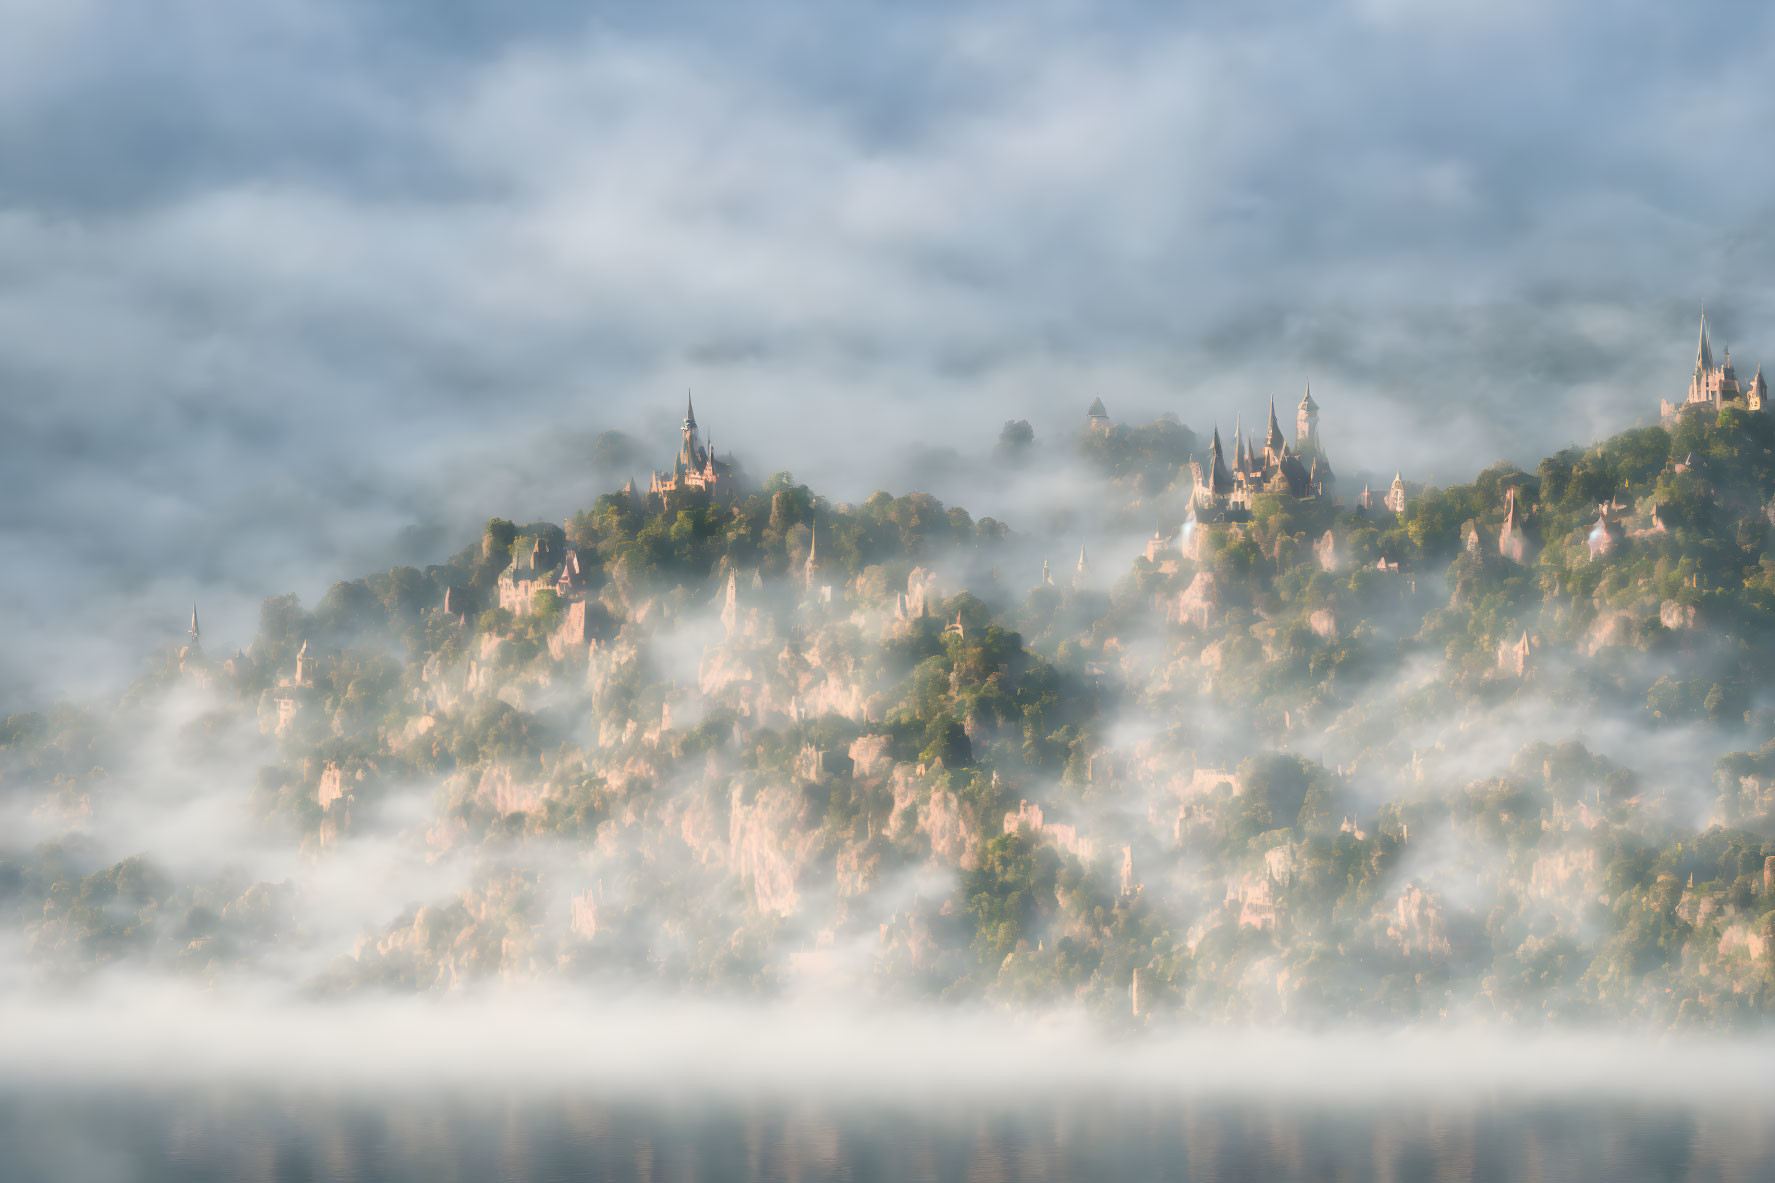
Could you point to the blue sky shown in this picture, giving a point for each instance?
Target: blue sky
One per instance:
(283, 283)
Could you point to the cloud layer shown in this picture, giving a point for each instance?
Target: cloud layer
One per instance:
(291, 291)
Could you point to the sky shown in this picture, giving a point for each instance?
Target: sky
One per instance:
(301, 289)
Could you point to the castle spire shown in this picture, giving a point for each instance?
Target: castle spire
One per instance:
(1220, 481)
(689, 412)
(1274, 443)
(1703, 351)
(194, 628)
(1083, 565)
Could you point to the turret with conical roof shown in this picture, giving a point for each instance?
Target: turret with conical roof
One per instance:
(1217, 483)
(1306, 423)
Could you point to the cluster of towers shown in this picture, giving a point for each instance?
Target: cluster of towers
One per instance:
(694, 468)
(1712, 386)
(1300, 468)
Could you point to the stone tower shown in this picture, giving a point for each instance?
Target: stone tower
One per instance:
(1306, 423)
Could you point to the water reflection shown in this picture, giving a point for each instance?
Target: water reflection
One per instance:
(225, 1134)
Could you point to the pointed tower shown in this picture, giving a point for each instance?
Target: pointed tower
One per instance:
(1306, 423)
(1756, 395)
(691, 456)
(196, 633)
(810, 572)
(1396, 494)
(1704, 387)
(1274, 446)
(1083, 566)
(1098, 416)
(1213, 487)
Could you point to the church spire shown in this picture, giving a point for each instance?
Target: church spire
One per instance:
(194, 628)
(689, 412)
(1703, 351)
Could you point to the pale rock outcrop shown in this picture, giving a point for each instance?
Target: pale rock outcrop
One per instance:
(1610, 628)
(332, 785)
(1675, 616)
(583, 920)
(1415, 922)
(1253, 899)
(767, 850)
(1568, 874)
(1027, 819)
(502, 790)
(869, 753)
(938, 817)
(1199, 603)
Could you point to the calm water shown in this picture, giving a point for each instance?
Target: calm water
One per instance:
(101, 1136)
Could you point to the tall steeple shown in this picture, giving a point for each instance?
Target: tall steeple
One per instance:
(1703, 350)
(691, 457)
(195, 631)
(1274, 443)
(811, 572)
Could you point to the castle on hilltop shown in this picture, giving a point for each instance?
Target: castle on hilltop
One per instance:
(694, 468)
(1713, 386)
(1299, 469)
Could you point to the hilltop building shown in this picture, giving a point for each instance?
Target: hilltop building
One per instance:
(1228, 488)
(1098, 416)
(695, 470)
(527, 575)
(1713, 386)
